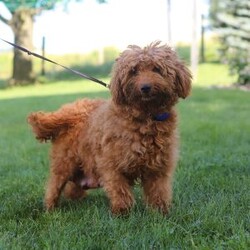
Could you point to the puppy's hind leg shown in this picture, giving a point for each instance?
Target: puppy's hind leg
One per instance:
(74, 191)
(60, 173)
(53, 190)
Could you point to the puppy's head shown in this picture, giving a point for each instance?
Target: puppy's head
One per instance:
(149, 77)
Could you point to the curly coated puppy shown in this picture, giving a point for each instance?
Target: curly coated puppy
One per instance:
(112, 143)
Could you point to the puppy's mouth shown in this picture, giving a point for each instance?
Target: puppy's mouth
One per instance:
(153, 100)
(148, 98)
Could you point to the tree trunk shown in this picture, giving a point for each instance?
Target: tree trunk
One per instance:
(22, 26)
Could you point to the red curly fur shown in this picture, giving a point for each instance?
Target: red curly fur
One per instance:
(112, 143)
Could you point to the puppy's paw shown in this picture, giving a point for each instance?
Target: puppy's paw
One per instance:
(50, 203)
(122, 206)
(161, 205)
(50, 207)
(120, 210)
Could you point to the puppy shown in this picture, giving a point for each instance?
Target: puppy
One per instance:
(112, 143)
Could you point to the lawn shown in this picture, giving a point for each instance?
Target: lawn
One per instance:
(211, 188)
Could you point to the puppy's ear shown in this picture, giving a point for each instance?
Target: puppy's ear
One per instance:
(117, 76)
(183, 80)
(116, 86)
(117, 91)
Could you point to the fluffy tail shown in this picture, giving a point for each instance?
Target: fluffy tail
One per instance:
(49, 126)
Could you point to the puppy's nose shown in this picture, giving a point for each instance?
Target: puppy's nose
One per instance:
(145, 88)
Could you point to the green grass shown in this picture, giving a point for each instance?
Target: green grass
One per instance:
(211, 188)
(214, 74)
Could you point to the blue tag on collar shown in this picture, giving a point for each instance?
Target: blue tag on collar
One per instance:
(161, 117)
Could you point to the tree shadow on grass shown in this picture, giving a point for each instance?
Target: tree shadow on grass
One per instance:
(47, 102)
(3, 84)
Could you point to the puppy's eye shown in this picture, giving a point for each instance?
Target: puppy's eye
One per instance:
(133, 71)
(157, 70)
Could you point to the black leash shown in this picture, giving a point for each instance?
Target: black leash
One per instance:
(48, 60)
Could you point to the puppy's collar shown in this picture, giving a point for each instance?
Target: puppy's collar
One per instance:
(161, 117)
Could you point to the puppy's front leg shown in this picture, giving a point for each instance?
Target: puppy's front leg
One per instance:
(118, 191)
(158, 191)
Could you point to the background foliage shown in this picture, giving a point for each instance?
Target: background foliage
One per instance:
(232, 22)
